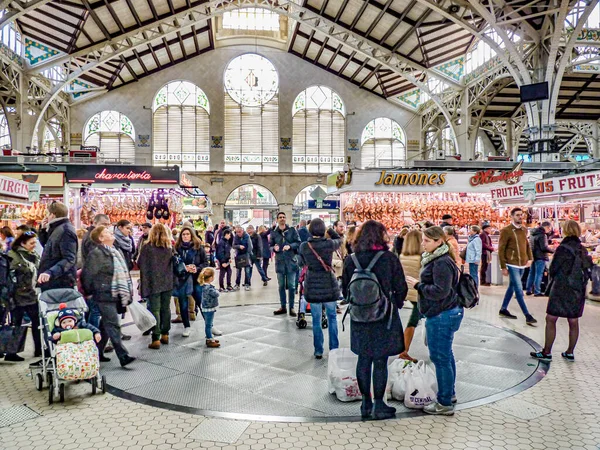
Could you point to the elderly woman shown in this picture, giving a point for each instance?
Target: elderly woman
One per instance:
(105, 277)
(25, 262)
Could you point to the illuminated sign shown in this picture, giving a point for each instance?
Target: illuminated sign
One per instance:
(127, 176)
(411, 179)
(122, 174)
(510, 177)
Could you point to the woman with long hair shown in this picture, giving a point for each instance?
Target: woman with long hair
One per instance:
(124, 241)
(105, 277)
(411, 264)
(374, 342)
(6, 237)
(438, 303)
(25, 263)
(156, 281)
(349, 239)
(191, 251)
(569, 274)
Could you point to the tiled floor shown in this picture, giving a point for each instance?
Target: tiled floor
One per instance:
(562, 411)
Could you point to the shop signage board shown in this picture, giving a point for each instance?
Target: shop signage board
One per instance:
(34, 192)
(570, 184)
(11, 187)
(509, 177)
(410, 181)
(45, 179)
(123, 174)
(324, 204)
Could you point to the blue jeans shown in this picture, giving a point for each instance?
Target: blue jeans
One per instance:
(247, 275)
(209, 317)
(515, 286)
(197, 294)
(316, 311)
(440, 334)
(261, 272)
(94, 317)
(287, 281)
(474, 272)
(536, 273)
(184, 306)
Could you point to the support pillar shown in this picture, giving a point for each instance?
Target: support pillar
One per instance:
(595, 147)
(510, 147)
(466, 142)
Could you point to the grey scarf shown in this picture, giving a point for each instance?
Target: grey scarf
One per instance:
(123, 242)
(428, 257)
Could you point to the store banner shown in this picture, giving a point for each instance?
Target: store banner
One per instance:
(10, 187)
(322, 204)
(123, 174)
(46, 180)
(570, 184)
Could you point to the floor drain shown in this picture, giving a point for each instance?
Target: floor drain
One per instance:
(16, 414)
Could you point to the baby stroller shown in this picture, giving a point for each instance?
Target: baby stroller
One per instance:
(305, 306)
(75, 357)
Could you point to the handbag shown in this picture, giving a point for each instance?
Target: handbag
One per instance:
(12, 339)
(242, 261)
(178, 265)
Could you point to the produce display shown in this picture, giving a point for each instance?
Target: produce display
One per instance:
(397, 209)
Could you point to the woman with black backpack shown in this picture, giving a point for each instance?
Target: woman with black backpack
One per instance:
(375, 341)
(438, 302)
(569, 274)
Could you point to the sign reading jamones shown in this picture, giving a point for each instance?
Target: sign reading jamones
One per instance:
(570, 184)
(123, 174)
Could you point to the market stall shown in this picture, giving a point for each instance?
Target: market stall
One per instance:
(16, 199)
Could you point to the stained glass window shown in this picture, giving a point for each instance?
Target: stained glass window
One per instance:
(113, 133)
(319, 130)
(251, 115)
(181, 126)
(383, 144)
(4, 132)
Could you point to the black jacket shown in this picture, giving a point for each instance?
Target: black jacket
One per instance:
(320, 286)
(285, 260)
(193, 256)
(156, 270)
(87, 245)
(436, 288)
(25, 294)
(539, 244)
(266, 248)
(257, 247)
(223, 254)
(209, 237)
(373, 339)
(59, 259)
(97, 275)
(564, 286)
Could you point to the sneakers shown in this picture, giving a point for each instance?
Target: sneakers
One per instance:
(104, 359)
(439, 410)
(568, 356)
(211, 343)
(539, 295)
(454, 399)
(528, 293)
(529, 320)
(230, 289)
(265, 283)
(247, 288)
(13, 358)
(186, 332)
(293, 313)
(542, 356)
(236, 287)
(127, 360)
(506, 314)
(216, 332)
(318, 356)
(222, 290)
(125, 337)
(280, 311)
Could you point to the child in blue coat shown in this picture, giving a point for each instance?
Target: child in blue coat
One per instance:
(210, 303)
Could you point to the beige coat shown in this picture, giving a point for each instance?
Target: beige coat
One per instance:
(454, 243)
(411, 265)
(338, 261)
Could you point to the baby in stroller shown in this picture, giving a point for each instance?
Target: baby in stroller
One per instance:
(70, 319)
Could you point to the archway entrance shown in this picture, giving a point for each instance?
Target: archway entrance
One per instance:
(251, 204)
(313, 202)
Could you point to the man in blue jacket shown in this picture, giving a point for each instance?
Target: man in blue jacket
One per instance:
(284, 243)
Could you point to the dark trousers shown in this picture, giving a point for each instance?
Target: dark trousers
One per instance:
(110, 328)
(247, 275)
(378, 367)
(222, 272)
(265, 266)
(32, 311)
(160, 306)
(483, 269)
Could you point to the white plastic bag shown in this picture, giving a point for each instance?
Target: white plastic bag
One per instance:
(342, 375)
(421, 386)
(142, 318)
(396, 383)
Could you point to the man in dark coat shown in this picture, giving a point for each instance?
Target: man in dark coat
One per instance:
(541, 251)
(87, 245)
(257, 254)
(486, 255)
(303, 231)
(59, 260)
(284, 243)
(242, 244)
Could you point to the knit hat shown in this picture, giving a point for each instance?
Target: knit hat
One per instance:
(65, 313)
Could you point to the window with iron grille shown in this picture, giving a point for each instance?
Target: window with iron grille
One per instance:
(319, 131)
(251, 115)
(113, 133)
(383, 144)
(181, 127)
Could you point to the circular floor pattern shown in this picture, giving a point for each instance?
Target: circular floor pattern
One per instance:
(265, 369)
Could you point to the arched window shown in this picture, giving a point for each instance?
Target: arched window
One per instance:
(319, 122)
(180, 123)
(4, 132)
(251, 115)
(113, 133)
(383, 144)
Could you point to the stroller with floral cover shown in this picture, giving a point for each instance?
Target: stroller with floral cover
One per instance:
(74, 357)
(305, 306)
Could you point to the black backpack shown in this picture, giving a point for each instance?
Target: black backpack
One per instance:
(466, 290)
(366, 300)
(8, 282)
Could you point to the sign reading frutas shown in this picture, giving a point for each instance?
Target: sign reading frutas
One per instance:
(512, 176)
(411, 179)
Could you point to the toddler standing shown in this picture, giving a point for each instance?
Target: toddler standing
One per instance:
(210, 302)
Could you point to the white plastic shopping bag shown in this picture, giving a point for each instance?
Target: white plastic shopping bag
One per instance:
(142, 318)
(397, 373)
(421, 386)
(342, 375)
